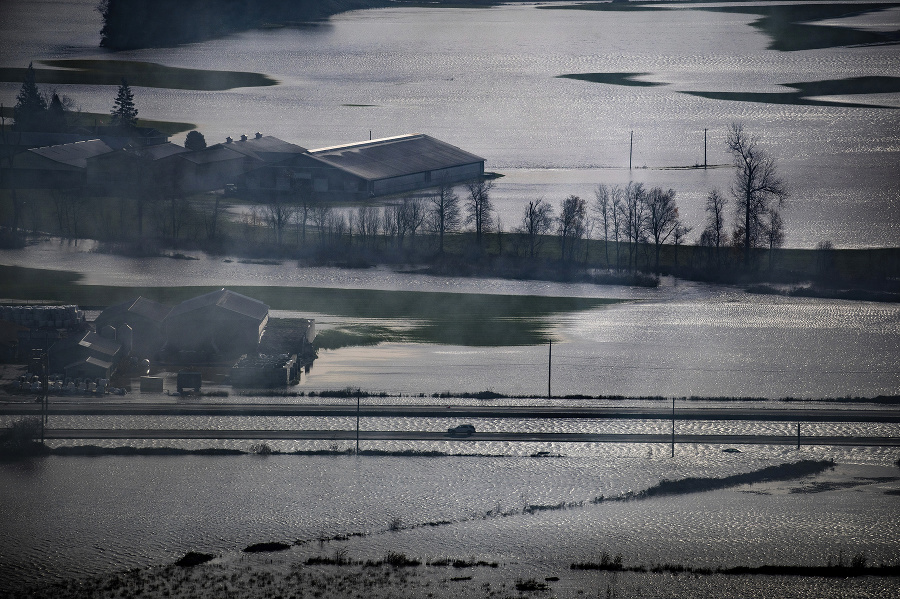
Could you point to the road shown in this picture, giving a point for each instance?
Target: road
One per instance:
(345, 435)
(196, 408)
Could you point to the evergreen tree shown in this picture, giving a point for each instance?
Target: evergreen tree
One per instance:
(195, 141)
(56, 115)
(31, 108)
(124, 113)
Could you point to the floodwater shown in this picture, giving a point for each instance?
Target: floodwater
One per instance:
(486, 80)
(69, 517)
(680, 339)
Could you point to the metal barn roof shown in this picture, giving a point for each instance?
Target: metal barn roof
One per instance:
(228, 300)
(394, 156)
(216, 153)
(264, 146)
(141, 306)
(74, 154)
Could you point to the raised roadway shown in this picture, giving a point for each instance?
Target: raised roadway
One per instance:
(344, 435)
(191, 408)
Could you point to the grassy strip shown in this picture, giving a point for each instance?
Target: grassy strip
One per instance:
(629, 79)
(90, 119)
(786, 25)
(700, 485)
(801, 97)
(829, 571)
(137, 73)
(867, 295)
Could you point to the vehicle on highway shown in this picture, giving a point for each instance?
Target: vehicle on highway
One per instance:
(463, 430)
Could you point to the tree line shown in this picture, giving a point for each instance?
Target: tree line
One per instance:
(39, 110)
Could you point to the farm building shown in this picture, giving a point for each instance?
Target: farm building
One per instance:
(54, 167)
(222, 323)
(78, 348)
(145, 317)
(153, 166)
(385, 166)
(271, 172)
(211, 168)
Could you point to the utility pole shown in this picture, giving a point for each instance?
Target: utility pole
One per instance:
(358, 394)
(798, 435)
(673, 427)
(630, 149)
(549, 366)
(704, 148)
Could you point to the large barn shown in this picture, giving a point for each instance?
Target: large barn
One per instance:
(221, 323)
(386, 166)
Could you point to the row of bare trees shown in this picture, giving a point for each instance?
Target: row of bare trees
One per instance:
(758, 193)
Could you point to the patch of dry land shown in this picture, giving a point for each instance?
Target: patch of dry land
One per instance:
(424, 561)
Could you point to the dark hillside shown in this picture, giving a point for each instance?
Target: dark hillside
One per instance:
(129, 24)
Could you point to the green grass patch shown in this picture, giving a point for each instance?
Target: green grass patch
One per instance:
(90, 119)
(138, 74)
(443, 318)
(629, 79)
(356, 336)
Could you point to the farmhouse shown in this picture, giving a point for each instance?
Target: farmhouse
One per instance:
(222, 323)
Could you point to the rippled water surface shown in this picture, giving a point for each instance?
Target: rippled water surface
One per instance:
(486, 80)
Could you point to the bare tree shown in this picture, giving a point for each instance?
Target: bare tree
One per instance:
(536, 223)
(661, 217)
(615, 216)
(774, 234)
(443, 212)
(321, 217)
(756, 187)
(278, 215)
(414, 214)
(212, 218)
(603, 209)
(479, 208)
(366, 223)
(570, 225)
(302, 191)
(714, 234)
(633, 210)
(679, 234)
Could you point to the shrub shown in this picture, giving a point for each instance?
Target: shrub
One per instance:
(21, 438)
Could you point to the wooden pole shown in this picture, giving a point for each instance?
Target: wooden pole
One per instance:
(549, 367)
(798, 435)
(704, 148)
(673, 427)
(358, 394)
(630, 149)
